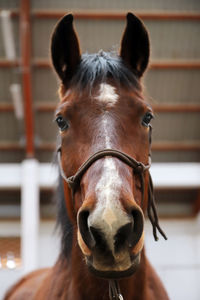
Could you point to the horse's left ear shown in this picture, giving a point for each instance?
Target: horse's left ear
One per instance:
(65, 51)
(135, 45)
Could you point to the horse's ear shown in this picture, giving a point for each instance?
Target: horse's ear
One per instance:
(65, 51)
(135, 45)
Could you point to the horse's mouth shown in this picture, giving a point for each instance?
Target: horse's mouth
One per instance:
(114, 271)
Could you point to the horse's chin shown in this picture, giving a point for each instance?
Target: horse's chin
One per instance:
(115, 271)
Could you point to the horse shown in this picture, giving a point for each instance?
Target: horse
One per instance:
(105, 188)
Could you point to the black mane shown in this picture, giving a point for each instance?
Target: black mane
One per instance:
(101, 66)
(63, 221)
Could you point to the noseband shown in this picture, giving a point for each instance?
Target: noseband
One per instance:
(138, 169)
(74, 181)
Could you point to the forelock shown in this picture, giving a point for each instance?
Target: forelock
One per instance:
(102, 66)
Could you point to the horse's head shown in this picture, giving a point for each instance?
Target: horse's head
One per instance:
(102, 108)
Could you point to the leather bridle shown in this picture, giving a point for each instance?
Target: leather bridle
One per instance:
(138, 169)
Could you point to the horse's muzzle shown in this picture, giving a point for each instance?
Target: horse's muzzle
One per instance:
(114, 248)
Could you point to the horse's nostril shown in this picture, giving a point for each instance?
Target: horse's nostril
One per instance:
(99, 239)
(84, 229)
(129, 234)
(122, 236)
(96, 234)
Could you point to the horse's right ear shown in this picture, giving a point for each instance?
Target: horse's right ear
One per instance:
(65, 51)
(135, 45)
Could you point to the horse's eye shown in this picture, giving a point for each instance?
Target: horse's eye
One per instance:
(62, 123)
(147, 119)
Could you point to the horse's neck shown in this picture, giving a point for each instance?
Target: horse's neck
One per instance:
(74, 280)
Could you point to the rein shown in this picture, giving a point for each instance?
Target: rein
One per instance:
(114, 290)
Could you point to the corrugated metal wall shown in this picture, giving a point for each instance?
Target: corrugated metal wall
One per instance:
(172, 40)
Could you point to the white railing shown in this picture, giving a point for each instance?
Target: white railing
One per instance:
(30, 176)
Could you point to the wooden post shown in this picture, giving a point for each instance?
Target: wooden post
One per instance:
(26, 75)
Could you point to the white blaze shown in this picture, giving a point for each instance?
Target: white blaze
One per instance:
(105, 127)
(108, 215)
(107, 191)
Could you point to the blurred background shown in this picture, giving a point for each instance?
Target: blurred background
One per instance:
(28, 97)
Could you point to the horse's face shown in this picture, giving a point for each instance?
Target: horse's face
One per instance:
(107, 206)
